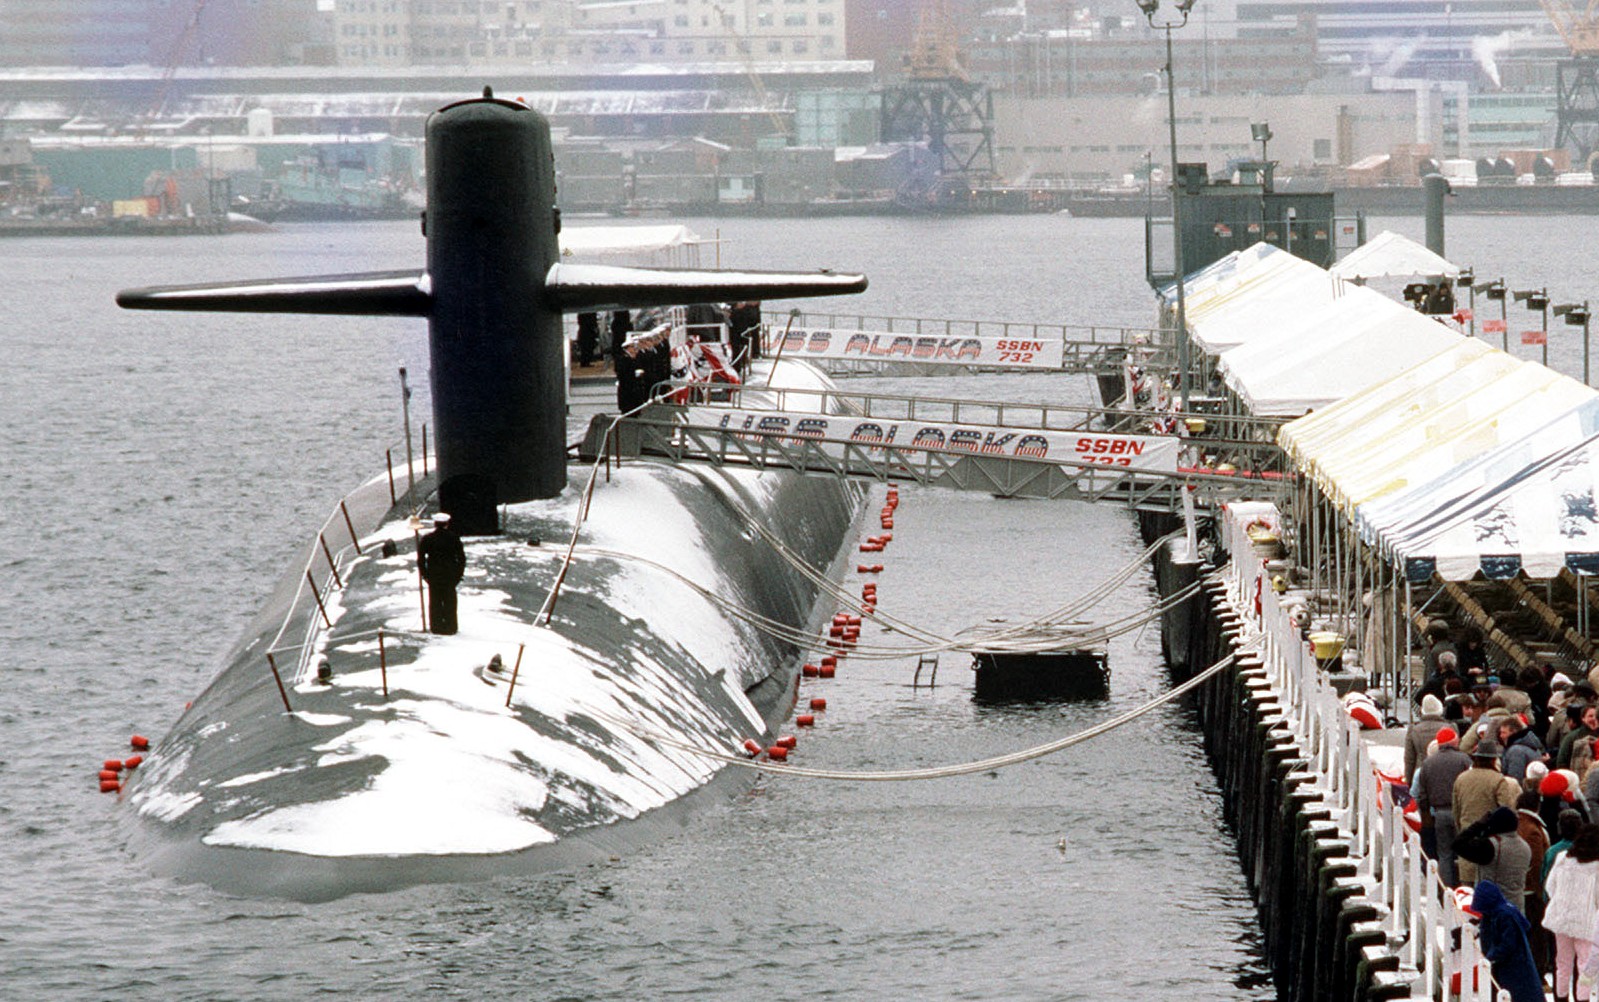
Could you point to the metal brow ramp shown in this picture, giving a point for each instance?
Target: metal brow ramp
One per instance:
(844, 345)
(1038, 458)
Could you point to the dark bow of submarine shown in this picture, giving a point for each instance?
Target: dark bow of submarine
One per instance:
(415, 764)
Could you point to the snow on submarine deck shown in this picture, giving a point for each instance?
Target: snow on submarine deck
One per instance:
(441, 781)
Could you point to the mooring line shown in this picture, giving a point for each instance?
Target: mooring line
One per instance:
(937, 772)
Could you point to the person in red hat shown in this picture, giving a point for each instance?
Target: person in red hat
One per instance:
(1433, 789)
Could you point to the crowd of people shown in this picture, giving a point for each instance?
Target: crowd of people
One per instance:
(1501, 766)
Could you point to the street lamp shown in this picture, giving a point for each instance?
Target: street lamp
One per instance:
(1495, 290)
(1464, 280)
(1260, 132)
(1537, 299)
(1576, 315)
(1149, 9)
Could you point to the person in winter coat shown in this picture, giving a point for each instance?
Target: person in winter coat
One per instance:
(442, 560)
(1530, 827)
(1434, 792)
(1573, 889)
(1522, 748)
(1421, 733)
(1436, 638)
(1477, 792)
(1502, 932)
(1495, 846)
(1470, 652)
(1589, 728)
(1485, 726)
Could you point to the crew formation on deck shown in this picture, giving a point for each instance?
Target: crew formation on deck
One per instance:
(1502, 770)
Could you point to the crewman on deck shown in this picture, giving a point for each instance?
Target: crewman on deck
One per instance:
(442, 561)
(588, 338)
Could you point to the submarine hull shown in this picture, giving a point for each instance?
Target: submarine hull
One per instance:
(653, 633)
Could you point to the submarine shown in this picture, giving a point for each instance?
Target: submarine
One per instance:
(343, 747)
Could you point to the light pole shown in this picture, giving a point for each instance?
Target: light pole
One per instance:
(1537, 299)
(1182, 7)
(1576, 315)
(1495, 290)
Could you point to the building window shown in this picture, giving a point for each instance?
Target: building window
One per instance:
(824, 19)
(774, 46)
(685, 48)
(800, 45)
(794, 20)
(681, 20)
(764, 19)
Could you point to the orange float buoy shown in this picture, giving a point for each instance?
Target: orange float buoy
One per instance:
(805, 720)
(139, 741)
(830, 661)
(835, 631)
(133, 761)
(752, 746)
(788, 741)
(809, 671)
(818, 703)
(777, 753)
(109, 786)
(106, 774)
(887, 538)
(863, 569)
(114, 764)
(827, 671)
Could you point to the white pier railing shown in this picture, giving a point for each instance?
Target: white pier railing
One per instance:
(1419, 917)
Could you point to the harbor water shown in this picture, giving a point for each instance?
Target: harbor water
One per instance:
(160, 470)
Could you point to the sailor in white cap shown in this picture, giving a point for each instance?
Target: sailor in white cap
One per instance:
(442, 560)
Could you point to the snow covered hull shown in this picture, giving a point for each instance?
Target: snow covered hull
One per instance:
(440, 780)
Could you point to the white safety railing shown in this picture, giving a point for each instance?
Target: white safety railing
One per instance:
(1437, 947)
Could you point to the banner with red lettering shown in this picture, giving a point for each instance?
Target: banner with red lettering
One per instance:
(1535, 337)
(1022, 352)
(835, 433)
(1493, 326)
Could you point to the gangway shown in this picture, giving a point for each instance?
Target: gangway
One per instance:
(851, 344)
(1002, 449)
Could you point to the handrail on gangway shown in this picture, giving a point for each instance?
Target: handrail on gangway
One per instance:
(670, 433)
(964, 410)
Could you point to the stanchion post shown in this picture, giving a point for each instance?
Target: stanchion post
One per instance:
(316, 593)
(283, 693)
(516, 670)
(421, 584)
(338, 581)
(383, 664)
(349, 524)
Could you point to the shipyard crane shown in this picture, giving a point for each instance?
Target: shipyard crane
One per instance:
(743, 46)
(169, 69)
(940, 104)
(1577, 78)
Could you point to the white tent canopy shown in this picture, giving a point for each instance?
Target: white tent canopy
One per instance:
(1279, 288)
(1219, 276)
(633, 241)
(1402, 523)
(1539, 520)
(1391, 255)
(1373, 344)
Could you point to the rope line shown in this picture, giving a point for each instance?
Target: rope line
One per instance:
(946, 771)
